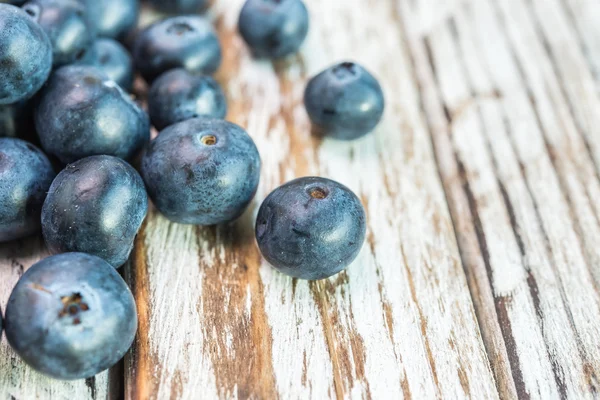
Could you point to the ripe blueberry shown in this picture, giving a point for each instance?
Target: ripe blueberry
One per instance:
(113, 18)
(25, 55)
(110, 57)
(201, 171)
(71, 316)
(67, 26)
(96, 206)
(186, 42)
(25, 176)
(344, 101)
(311, 228)
(82, 113)
(178, 95)
(274, 28)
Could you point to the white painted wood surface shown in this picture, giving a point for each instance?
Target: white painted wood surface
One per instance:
(398, 323)
(481, 271)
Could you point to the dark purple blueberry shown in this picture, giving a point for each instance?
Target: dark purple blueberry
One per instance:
(110, 57)
(180, 6)
(344, 101)
(25, 176)
(188, 42)
(67, 25)
(71, 316)
(81, 112)
(113, 18)
(25, 55)
(201, 171)
(274, 28)
(178, 95)
(96, 206)
(311, 228)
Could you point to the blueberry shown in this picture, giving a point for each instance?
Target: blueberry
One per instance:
(67, 26)
(113, 18)
(274, 28)
(114, 60)
(180, 6)
(81, 113)
(201, 171)
(96, 206)
(25, 176)
(25, 55)
(344, 101)
(16, 120)
(311, 228)
(178, 95)
(71, 316)
(187, 42)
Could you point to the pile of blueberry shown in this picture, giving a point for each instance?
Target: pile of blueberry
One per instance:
(66, 70)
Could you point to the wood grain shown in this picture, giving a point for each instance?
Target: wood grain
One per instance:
(17, 380)
(399, 323)
(517, 168)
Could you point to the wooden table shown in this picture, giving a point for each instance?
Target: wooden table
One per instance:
(481, 271)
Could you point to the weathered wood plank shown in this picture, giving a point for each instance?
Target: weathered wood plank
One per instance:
(216, 319)
(17, 380)
(526, 173)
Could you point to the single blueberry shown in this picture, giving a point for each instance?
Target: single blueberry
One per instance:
(96, 206)
(113, 18)
(180, 6)
(201, 171)
(188, 42)
(81, 113)
(25, 176)
(66, 24)
(71, 316)
(178, 95)
(16, 120)
(311, 228)
(25, 55)
(344, 101)
(110, 57)
(274, 28)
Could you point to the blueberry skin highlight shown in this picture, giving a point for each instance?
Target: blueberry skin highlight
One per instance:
(188, 42)
(178, 95)
(110, 57)
(25, 67)
(180, 6)
(113, 18)
(344, 101)
(96, 206)
(82, 113)
(201, 171)
(67, 26)
(71, 316)
(25, 176)
(274, 28)
(311, 228)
